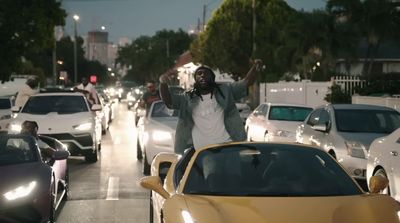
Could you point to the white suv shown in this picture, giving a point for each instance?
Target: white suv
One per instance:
(65, 116)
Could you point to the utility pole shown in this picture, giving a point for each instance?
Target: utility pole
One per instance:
(256, 86)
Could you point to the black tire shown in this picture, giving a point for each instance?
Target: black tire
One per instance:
(91, 157)
(146, 165)
(382, 172)
(151, 210)
(66, 186)
(332, 153)
(139, 154)
(52, 214)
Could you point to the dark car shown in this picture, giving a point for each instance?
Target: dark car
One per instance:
(31, 186)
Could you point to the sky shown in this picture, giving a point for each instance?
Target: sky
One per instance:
(133, 18)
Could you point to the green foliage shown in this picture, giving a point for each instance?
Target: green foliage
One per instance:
(382, 84)
(26, 27)
(337, 95)
(148, 57)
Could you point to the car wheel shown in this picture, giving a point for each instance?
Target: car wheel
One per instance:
(151, 209)
(91, 157)
(381, 172)
(332, 153)
(52, 212)
(146, 165)
(66, 185)
(139, 154)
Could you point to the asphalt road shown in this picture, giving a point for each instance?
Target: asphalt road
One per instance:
(108, 191)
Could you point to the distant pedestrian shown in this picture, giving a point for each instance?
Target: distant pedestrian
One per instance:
(207, 113)
(151, 95)
(26, 91)
(88, 90)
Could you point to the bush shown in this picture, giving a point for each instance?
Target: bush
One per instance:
(337, 95)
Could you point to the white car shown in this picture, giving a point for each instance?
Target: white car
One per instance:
(5, 113)
(383, 160)
(244, 111)
(273, 122)
(65, 116)
(156, 133)
(346, 131)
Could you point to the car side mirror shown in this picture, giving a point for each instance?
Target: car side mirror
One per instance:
(96, 107)
(319, 127)
(154, 183)
(61, 155)
(15, 109)
(377, 184)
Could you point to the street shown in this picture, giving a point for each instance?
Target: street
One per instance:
(108, 191)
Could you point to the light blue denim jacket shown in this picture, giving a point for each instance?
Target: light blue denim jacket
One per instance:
(232, 92)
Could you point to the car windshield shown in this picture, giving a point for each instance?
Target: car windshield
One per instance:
(371, 121)
(268, 170)
(5, 103)
(15, 150)
(42, 105)
(161, 110)
(289, 113)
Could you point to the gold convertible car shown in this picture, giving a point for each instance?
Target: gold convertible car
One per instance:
(262, 183)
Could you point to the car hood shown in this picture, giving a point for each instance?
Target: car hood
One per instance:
(169, 123)
(365, 138)
(54, 123)
(16, 175)
(345, 209)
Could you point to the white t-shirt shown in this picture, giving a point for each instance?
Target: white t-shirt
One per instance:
(92, 97)
(23, 95)
(209, 127)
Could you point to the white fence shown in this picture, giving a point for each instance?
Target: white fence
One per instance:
(390, 102)
(349, 83)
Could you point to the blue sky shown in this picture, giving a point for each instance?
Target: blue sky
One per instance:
(132, 18)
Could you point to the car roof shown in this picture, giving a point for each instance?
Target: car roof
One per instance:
(360, 107)
(286, 104)
(69, 93)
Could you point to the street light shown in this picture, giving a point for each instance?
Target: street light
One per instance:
(76, 18)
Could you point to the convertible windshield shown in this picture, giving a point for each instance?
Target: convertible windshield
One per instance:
(60, 104)
(161, 110)
(268, 170)
(289, 113)
(15, 150)
(373, 121)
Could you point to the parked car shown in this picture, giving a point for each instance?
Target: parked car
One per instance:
(273, 122)
(31, 189)
(346, 131)
(5, 113)
(67, 117)
(134, 95)
(156, 133)
(383, 160)
(109, 102)
(258, 183)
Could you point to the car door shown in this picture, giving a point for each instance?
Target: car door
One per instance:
(305, 131)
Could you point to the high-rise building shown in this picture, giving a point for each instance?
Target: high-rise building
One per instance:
(97, 46)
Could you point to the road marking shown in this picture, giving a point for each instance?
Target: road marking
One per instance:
(113, 189)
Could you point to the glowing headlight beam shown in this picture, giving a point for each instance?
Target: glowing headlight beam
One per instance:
(20, 192)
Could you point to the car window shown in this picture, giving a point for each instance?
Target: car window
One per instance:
(324, 118)
(288, 113)
(5, 103)
(15, 150)
(61, 104)
(314, 117)
(161, 110)
(182, 165)
(362, 120)
(258, 110)
(268, 170)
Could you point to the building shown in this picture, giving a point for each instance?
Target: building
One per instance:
(97, 47)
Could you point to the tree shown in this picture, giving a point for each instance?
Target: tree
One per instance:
(26, 27)
(148, 57)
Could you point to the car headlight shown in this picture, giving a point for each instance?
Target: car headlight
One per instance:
(5, 117)
(21, 191)
(355, 149)
(137, 91)
(158, 135)
(120, 90)
(187, 217)
(83, 127)
(15, 128)
(130, 97)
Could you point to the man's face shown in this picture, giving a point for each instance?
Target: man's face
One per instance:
(151, 87)
(29, 129)
(85, 81)
(203, 78)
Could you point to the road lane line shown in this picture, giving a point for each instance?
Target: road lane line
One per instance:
(113, 189)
